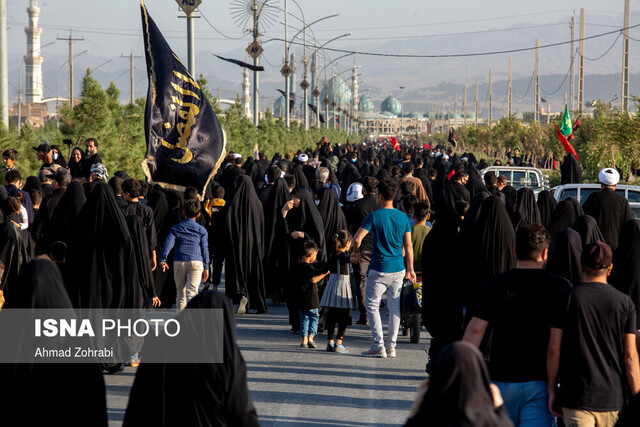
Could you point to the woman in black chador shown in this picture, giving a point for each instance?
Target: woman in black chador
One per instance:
(47, 393)
(244, 229)
(195, 394)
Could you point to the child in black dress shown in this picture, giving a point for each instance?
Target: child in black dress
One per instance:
(337, 296)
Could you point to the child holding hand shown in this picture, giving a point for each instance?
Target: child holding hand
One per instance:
(307, 276)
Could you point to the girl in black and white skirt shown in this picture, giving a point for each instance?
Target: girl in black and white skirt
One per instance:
(337, 296)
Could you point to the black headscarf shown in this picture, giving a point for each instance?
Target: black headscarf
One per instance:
(75, 390)
(332, 215)
(510, 198)
(570, 170)
(587, 228)
(564, 215)
(32, 183)
(546, 204)
(65, 214)
(60, 160)
(244, 220)
(75, 168)
(195, 394)
(101, 254)
(625, 275)
(459, 392)
(526, 209)
(565, 259)
(306, 218)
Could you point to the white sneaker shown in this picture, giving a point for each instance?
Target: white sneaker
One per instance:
(391, 352)
(375, 352)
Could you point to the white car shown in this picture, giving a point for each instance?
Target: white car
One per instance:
(582, 191)
(521, 176)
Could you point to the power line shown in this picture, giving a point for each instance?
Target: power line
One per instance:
(518, 98)
(217, 31)
(497, 30)
(607, 51)
(565, 76)
(459, 55)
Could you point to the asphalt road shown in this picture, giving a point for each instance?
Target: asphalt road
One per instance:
(293, 386)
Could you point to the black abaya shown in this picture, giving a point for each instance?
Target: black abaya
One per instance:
(332, 215)
(245, 231)
(195, 394)
(15, 253)
(546, 205)
(40, 394)
(493, 240)
(565, 260)
(276, 254)
(588, 229)
(625, 275)
(101, 254)
(526, 211)
(441, 290)
(570, 170)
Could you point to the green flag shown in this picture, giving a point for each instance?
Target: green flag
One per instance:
(565, 127)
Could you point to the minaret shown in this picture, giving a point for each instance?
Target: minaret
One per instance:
(33, 60)
(246, 96)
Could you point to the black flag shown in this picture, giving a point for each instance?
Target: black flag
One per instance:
(292, 98)
(185, 143)
(315, 111)
(240, 63)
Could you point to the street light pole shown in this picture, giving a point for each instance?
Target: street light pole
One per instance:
(402, 109)
(58, 89)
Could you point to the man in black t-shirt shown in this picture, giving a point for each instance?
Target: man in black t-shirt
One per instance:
(592, 348)
(515, 302)
(356, 214)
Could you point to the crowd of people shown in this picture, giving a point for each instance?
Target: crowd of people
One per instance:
(532, 304)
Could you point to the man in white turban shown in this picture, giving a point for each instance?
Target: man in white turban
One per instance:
(608, 208)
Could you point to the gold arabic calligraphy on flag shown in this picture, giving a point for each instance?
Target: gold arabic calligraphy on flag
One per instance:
(187, 116)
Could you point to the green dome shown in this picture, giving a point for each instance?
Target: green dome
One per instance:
(278, 107)
(415, 115)
(388, 114)
(365, 105)
(338, 92)
(391, 105)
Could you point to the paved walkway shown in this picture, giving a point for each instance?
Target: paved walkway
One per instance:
(293, 386)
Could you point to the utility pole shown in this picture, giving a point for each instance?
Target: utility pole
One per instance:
(509, 88)
(449, 113)
(464, 112)
(625, 58)
(286, 63)
(536, 91)
(70, 39)
(455, 106)
(489, 116)
(581, 63)
(572, 77)
(476, 119)
(131, 58)
(4, 67)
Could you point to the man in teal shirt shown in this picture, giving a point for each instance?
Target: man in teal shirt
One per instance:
(391, 234)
